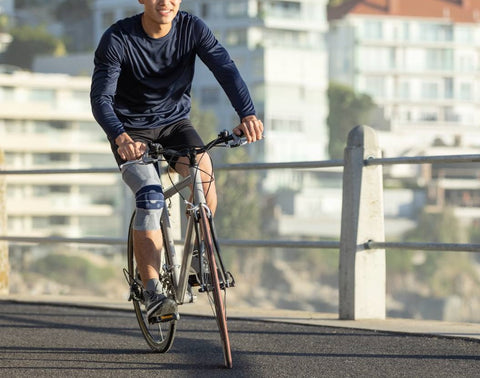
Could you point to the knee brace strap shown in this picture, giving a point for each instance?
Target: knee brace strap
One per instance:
(150, 197)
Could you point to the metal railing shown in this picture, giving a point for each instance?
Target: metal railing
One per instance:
(362, 241)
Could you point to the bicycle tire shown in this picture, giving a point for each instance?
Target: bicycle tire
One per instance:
(159, 336)
(216, 292)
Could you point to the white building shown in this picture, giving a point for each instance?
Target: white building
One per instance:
(418, 60)
(46, 123)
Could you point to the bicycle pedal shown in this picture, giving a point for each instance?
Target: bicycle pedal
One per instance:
(193, 280)
(169, 317)
(164, 318)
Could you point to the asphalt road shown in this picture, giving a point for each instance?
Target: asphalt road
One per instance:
(49, 341)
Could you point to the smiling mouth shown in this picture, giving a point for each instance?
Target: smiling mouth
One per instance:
(164, 12)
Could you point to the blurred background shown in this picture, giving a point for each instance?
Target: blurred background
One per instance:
(315, 69)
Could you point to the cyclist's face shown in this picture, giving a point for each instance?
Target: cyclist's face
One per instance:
(161, 12)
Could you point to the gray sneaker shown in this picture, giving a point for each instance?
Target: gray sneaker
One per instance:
(159, 307)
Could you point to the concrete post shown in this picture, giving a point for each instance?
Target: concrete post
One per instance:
(4, 263)
(362, 272)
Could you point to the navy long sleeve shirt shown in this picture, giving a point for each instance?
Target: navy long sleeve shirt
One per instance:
(142, 82)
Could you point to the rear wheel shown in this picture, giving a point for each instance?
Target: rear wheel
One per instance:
(216, 294)
(159, 336)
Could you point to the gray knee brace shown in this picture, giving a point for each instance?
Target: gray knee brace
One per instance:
(149, 201)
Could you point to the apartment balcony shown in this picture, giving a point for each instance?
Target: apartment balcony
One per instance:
(70, 142)
(58, 205)
(112, 180)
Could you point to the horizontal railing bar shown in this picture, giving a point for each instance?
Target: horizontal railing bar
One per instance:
(283, 165)
(223, 242)
(59, 239)
(240, 166)
(280, 244)
(58, 171)
(259, 243)
(424, 246)
(424, 159)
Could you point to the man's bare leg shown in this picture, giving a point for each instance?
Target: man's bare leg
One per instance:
(208, 180)
(147, 246)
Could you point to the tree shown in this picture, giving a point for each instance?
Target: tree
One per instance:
(29, 42)
(347, 109)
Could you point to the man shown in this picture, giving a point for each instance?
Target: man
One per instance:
(140, 92)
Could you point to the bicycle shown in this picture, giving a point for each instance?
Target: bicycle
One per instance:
(200, 246)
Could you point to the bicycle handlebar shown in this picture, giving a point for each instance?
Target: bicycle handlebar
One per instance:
(155, 150)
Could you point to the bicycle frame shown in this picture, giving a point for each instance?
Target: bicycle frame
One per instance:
(174, 275)
(181, 260)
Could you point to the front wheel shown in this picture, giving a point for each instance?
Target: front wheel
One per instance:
(159, 336)
(216, 293)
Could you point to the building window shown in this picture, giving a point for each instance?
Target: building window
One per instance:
(42, 95)
(58, 220)
(40, 222)
(466, 92)
(464, 34)
(59, 189)
(428, 116)
(439, 59)
(377, 58)
(283, 9)
(403, 90)
(373, 30)
(236, 37)
(406, 31)
(375, 86)
(436, 33)
(448, 87)
(466, 63)
(236, 8)
(430, 90)
(7, 93)
(59, 157)
(53, 157)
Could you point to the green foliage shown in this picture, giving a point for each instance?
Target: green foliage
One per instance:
(28, 42)
(441, 272)
(347, 110)
(474, 233)
(72, 270)
(436, 228)
(204, 122)
(238, 211)
(334, 3)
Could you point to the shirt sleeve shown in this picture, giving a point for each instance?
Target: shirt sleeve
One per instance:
(107, 69)
(217, 59)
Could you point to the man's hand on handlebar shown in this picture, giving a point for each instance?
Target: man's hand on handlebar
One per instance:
(251, 127)
(128, 149)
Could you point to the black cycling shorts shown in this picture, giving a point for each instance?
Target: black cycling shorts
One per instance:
(179, 135)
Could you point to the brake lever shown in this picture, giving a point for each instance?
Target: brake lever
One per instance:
(237, 141)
